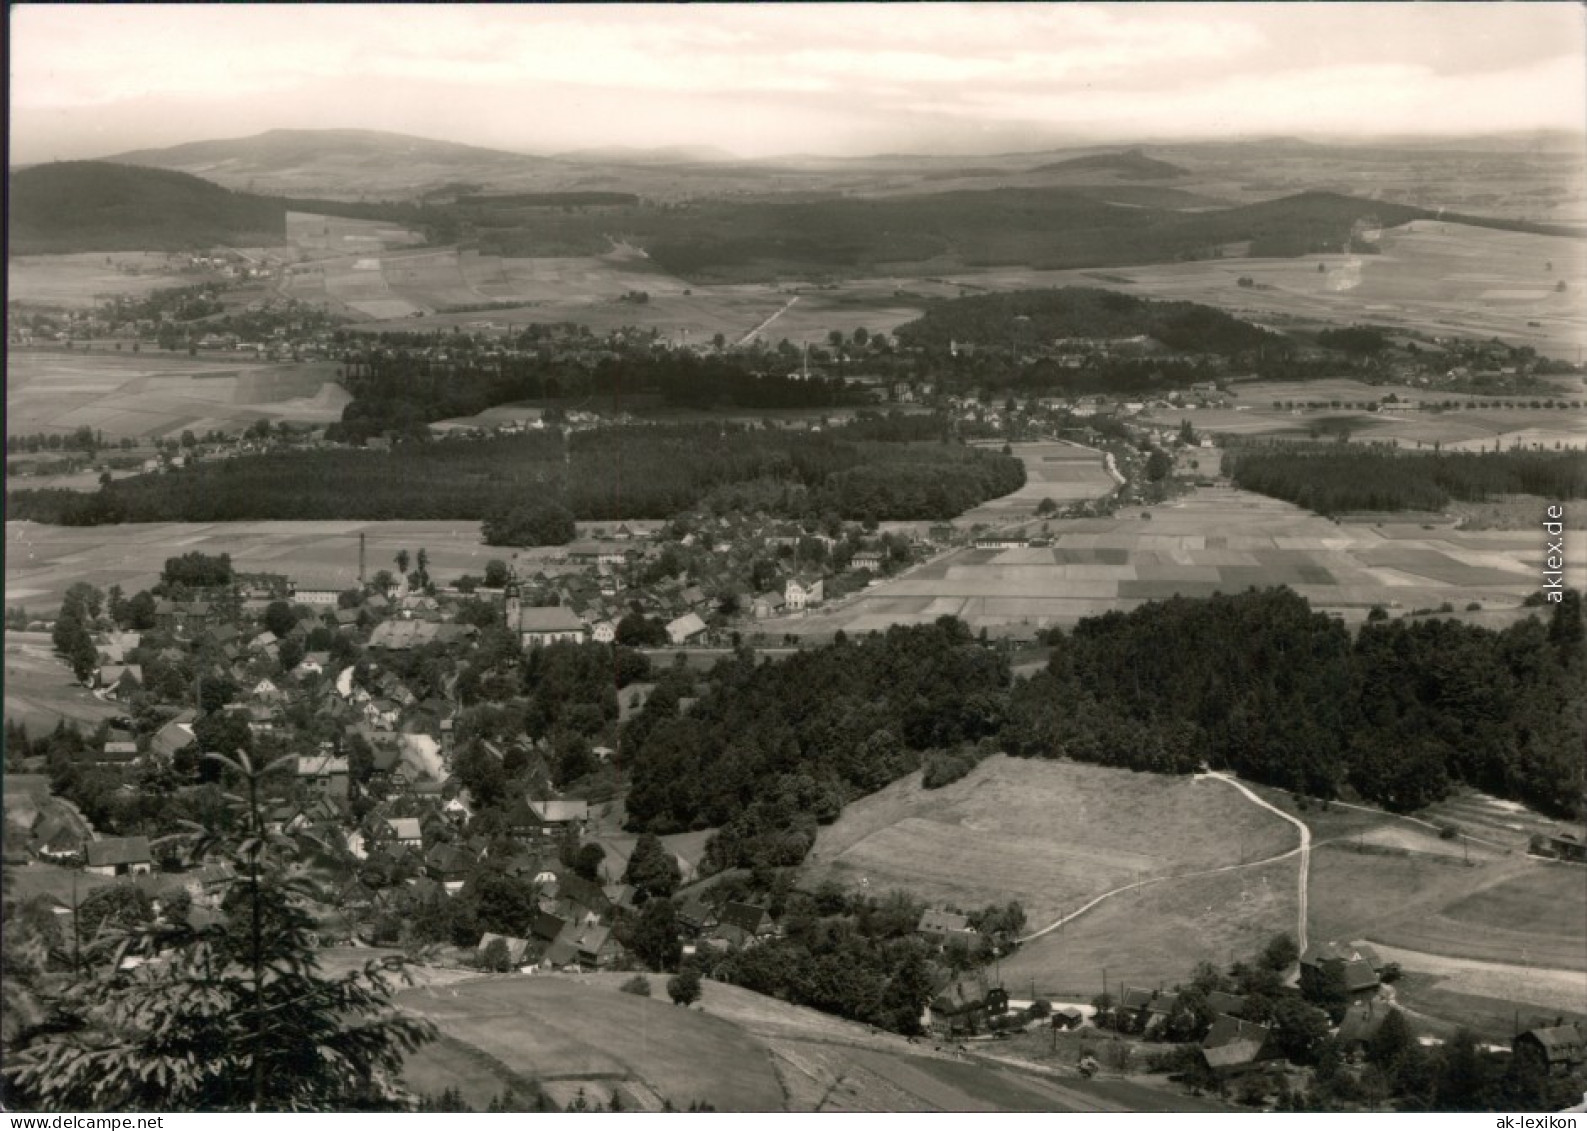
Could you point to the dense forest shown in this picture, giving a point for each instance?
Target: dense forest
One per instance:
(397, 384)
(1337, 479)
(599, 474)
(1037, 317)
(68, 206)
(774, 749)
(1257, 683)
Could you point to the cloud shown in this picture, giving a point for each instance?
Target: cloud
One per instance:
(790, 75)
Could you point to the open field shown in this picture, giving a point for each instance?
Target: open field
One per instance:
(1537, 918)
(1438, 1010)
(83, 280)
(1490, 818)
(1216, 539)
(557, 1030)
(737, 1049)
(1064, 473)
(1156, 934)
(121, 393)
(40, 690)
(419, 288)
(1049, 834)
(1477, 428)
(1429, 276)
(42, 561)
(33, 880)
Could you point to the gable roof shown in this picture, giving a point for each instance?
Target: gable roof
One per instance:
(549, 618)
(555, 812)
(1220, 1002)
(1132, 997)
(405, 828)
(689, 624)
(1231, 1042)
(935, 920)
(515, 946)
(1362, 1021)
(115, 851)
(1560, 1043)
(745, 916)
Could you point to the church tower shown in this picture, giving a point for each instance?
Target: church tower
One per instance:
(514, 605)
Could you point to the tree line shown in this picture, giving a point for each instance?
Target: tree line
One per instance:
(1038, 317)
(603, 474)
(1256, 683)
(1335, 479)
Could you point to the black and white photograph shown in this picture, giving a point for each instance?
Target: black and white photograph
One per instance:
(870, 558)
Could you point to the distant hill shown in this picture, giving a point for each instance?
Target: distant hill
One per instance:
(661, 155)
(278, 150)
(1132, 164)
(100, 206)
(346, 163)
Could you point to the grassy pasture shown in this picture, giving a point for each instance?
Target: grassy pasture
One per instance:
(1535, 918)
(153, 394)
(1158, 933)
(1429, 276)
(43, 561)
(554, 1028)
(83, 280)
(1049, 834)
(52, 880)
(40, 690)
(825, 1063)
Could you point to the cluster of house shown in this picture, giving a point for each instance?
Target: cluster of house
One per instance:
(573, 927)
(1233, 1046)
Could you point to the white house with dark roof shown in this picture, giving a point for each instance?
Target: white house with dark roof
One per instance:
(118, 856)
(803, 591)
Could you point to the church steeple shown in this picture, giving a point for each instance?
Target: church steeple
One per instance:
(514, 603)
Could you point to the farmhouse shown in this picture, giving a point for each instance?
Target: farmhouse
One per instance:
(1360, 966)
(1360, 1024)
(966, 1004)
(868, 560)
(554, 816)
(325, 775)
(1002, 542)
(1232, 1047)
(767, 605)
(939, 926)
(1559, 1047)
(118, 856)
(1567, 846)
(515, 948)
(685, 628)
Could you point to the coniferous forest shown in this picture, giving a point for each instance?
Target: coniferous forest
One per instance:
(599, 474)
(1256, 683)
(1339, 478)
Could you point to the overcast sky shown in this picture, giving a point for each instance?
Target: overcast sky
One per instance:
(92, 80)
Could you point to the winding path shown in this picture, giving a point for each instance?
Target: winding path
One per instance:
(1303, 850)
